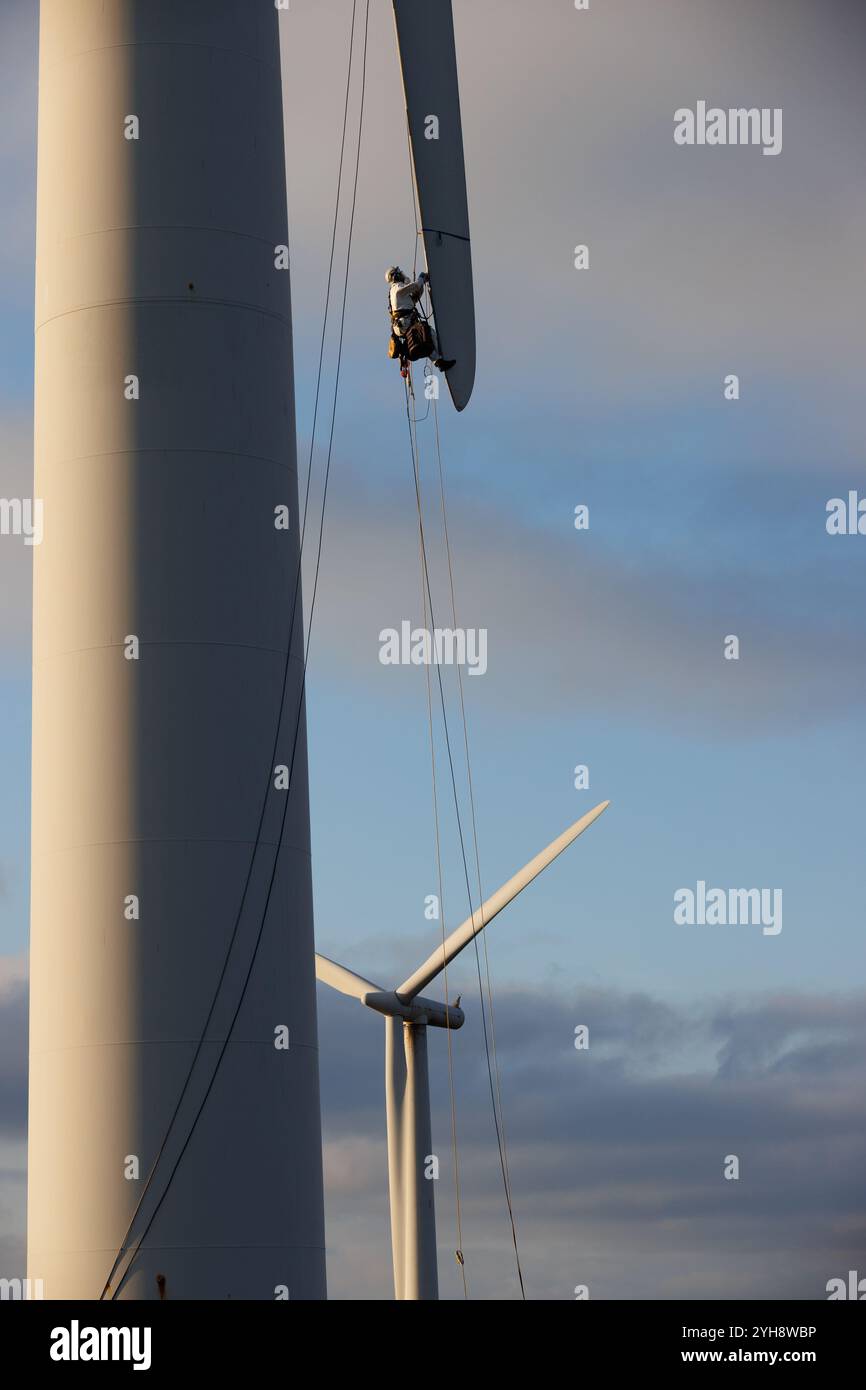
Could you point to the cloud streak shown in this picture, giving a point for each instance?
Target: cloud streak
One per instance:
(617, 1153)
(572, 629)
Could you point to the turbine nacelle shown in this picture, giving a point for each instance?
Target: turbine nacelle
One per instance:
(388, 1001)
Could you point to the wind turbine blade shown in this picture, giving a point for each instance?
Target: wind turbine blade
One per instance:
(346, 981)
(461, 937)
(428, 60)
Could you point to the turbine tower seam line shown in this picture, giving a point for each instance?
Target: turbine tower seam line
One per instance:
(169, 642)
(155, 43)
(181, 449)
(158, 227)
(171, 1042)
(107, 1249)
(179, 840)
(157, 300)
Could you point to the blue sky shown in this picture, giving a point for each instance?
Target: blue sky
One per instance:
(605, 647)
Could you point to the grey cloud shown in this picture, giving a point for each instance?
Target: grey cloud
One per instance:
(616, 1154)
(789, 1032)
(617, 1162)
(647, 642)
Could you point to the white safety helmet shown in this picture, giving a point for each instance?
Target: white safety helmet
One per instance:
(394, 273)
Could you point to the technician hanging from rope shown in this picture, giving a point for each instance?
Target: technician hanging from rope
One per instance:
(411, 334)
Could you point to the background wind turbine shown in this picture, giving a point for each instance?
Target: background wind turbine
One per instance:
(407, 1090)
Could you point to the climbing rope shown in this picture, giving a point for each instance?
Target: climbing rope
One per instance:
(496, 1069)
(412, 422)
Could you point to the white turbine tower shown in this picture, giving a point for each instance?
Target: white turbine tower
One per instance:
(407, 1090)
(166, 682)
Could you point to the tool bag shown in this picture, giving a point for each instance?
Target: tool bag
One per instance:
(419, 341)
(395, 346)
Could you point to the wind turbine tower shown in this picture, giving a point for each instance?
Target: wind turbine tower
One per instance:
(165, 458)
